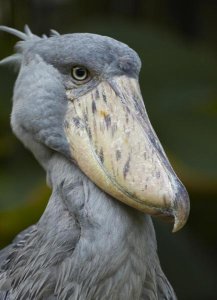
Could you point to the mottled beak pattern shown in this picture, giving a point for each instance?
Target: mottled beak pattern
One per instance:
(112, 141)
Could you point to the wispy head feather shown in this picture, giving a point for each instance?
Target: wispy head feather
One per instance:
(27, 34)
(26, 37)
(14, 59)
(54, 32)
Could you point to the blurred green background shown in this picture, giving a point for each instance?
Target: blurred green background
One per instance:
(177, 43)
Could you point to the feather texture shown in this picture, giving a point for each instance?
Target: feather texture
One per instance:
(86, 245)
(61, 256)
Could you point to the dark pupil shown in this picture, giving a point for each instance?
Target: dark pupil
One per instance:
(80, 72)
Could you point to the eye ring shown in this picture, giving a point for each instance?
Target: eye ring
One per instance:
(79, 73)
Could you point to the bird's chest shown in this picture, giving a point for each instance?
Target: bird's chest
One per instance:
(109, 261)
(111, 249)
(91, 248)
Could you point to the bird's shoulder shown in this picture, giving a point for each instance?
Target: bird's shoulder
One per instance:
(7, 252)
(34, 257)
(157, 286)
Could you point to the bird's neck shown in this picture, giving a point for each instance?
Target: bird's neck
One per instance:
(77, 192)
(106, 229)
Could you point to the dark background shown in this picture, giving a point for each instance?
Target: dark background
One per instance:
(177, 42)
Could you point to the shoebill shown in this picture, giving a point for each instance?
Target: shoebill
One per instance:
(78, 108)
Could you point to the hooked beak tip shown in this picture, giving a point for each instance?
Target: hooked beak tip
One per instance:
(181, 208)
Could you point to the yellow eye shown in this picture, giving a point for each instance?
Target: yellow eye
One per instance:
(79, 73)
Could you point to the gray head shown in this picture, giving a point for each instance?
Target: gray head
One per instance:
(46, 66)
(78, 94)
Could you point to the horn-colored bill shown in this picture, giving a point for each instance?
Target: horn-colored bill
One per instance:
(112, 141)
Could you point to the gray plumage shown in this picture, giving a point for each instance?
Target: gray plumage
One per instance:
(87, 245)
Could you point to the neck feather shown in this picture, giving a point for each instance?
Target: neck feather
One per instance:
(106, 235)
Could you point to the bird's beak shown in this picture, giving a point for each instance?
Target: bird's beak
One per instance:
(114, 144)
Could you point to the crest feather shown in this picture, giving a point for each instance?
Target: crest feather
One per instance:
(26, 36)
(12, 59)
(54, 32)
(13, 31)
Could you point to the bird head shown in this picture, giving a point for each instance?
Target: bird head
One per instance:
(78, 94)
